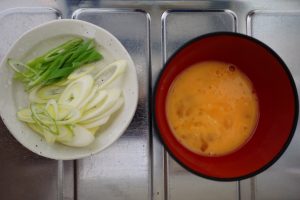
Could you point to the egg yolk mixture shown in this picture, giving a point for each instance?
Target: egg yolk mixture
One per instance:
(212, 108)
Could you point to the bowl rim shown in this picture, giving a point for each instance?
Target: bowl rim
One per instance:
(291, 81)
(130, 116)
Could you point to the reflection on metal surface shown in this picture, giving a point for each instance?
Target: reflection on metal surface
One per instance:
(180, 26)
(176, 32)
(16, 21)
(123, 170)
(110, 175)
(21, 170)
(280, 30)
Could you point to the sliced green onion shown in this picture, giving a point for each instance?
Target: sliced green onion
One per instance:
(110, 73)
(81, 137)
(93, 122)
(112, 97)
(77, 91)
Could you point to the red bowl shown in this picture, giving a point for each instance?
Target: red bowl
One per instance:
(277, 96)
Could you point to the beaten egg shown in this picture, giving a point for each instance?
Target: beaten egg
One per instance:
(212, 108)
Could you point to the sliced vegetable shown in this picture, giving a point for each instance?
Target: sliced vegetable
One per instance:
(99, 97)
(81, 137)
(77, 91)
(20, 67)
(68, 112)
(81, 72)
(43, 76)
(50, 115)
(112, 97)
(97, 121)
(63, 82)
(94, 130)
(34, 98)
(50, 55)
(41, 116)
(56, 64)
(52, 108)
(50, 92)
(68, 104)
(88, 98)
(110, 73)
(65, 134)
(25, 115)
(49, 137)
(36, 128)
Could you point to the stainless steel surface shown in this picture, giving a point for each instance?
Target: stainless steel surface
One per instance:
(23, 172)
(123, 170)
(176, 32)
(137, 167)
(16, 21)
(280, 30)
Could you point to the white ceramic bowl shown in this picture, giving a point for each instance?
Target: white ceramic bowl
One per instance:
(13, 97)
